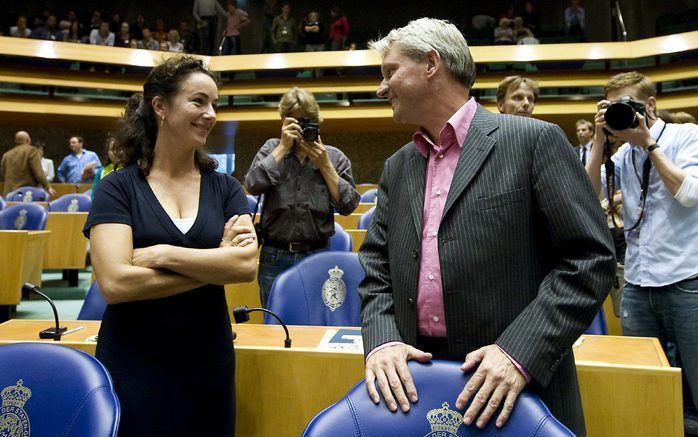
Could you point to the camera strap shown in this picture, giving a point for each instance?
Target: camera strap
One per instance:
(644, 182)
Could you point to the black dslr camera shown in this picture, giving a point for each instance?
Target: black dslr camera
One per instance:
(622, 114)
(311, 130)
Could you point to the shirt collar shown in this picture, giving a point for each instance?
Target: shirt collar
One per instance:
(457, 126)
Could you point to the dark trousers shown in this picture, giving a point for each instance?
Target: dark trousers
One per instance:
(208, 35)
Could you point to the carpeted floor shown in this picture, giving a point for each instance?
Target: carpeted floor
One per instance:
(68, 300)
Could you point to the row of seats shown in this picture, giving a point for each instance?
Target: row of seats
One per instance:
(65, 203)
(83, 401)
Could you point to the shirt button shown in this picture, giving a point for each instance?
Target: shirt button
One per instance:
(436, 319)
(434, 234)
(441, 155)
(438, 192)
(431, 276)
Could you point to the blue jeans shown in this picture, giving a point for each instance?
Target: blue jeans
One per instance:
(272, 262)
(669, 313)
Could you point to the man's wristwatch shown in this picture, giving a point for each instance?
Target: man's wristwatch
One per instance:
(652, 147)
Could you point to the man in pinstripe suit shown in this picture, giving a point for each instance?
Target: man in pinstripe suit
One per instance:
(487, 242)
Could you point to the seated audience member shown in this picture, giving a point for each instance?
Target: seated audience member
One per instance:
(21, 30)
(237, 19)
(585, 134)
(173, 43)
(187, 37)
(115, 23)
(517, 95)
(46, 164)
(303, 181)
(123, 38)
(148, 42)
(49, 31)
(21, 166)
(530, 18)
(80, 166)
(102, 36)
(504, 34)
(656, 172)
(95, 21)
(528, 38)
(518, 28)
(74, 33)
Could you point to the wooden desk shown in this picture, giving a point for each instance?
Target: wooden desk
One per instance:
(357, 237)
(627, 387)
(67, 246)
(63, 189)
(20, 262)
(363, 207)
(350, 221)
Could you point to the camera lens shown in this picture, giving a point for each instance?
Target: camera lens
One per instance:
(620, 116)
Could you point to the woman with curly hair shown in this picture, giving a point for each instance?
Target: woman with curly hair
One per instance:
(166, 232)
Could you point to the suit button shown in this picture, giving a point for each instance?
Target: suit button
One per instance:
(410, 301)
(415, 253)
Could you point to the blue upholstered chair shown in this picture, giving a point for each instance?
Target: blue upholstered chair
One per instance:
(369, 196)
(320, 290)
(251, 202)
(598, 325)
(94, 305)
(365, 218)
(21, 194)
(341, 240)
(23, 217)
(88, 193)
(2, 203)
(71, 203)
(438, 384)
(52, 390)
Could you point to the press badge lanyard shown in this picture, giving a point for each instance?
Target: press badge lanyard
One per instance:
(644, 182)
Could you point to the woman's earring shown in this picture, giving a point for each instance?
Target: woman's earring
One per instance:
(162, 121)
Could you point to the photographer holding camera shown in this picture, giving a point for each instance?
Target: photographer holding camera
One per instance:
(657, 171)
(303, 181)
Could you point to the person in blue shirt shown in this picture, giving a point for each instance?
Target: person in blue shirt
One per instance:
(80, 166)
(656, 171)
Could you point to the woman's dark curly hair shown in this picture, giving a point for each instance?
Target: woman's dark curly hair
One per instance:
(137, 129)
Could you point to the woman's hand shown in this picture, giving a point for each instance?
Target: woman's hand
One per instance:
(237, 234)
(153, 257)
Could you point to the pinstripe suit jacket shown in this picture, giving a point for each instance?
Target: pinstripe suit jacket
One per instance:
(526, 256)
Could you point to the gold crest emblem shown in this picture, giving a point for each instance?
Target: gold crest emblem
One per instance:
(14, 421)
(444, 422)
(73, 207)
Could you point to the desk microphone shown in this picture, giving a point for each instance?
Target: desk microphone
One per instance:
(242, 315)
(53, 332)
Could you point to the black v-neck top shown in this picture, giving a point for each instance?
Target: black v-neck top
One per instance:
(163, 353)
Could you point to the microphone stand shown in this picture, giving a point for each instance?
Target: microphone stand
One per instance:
(53, 332)
(242, 315)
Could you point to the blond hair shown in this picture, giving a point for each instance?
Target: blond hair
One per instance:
(515, 82)
(631, 79)
(587, 123)
(299, 98)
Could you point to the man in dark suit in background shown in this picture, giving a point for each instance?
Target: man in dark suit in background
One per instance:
(487, 242)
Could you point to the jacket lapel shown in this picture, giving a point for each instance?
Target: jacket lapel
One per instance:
(477, 146)
(415, 171)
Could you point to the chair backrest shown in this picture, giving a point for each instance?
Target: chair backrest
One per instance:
(438, 384)
(23, 217)
(341, 240)
(94, 305)
(2, 203)
(365, 218)
(28, 194)
(88, 193)
(49, 389)
(369, 196)
(71, 203)
(320, 290)
(598, 325)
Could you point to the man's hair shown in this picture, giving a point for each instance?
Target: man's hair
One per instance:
(78, 137)
(296, 98)
(425, 34)
(631, 79)
(515, 82)
(582, 121)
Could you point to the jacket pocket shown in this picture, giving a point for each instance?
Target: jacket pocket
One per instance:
(501, 199)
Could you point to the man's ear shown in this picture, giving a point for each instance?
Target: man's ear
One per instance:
(652, 106)
(500, 106)
(434, 63)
